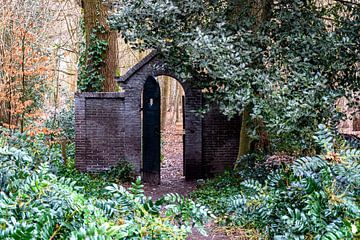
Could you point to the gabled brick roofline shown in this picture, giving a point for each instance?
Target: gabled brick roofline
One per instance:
(137, 67)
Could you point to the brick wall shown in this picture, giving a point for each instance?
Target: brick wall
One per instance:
(220, 142)
(356, 123)
(108, 127)
(100, 132)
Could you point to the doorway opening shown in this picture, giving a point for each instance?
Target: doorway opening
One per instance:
(172, 130)
(163, 134)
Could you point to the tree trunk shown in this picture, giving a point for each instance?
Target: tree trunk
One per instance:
(95, 15)
(165, 100)
(173, 99)
(260, 10)
(179, 105)
(23, 90)
(176, 103)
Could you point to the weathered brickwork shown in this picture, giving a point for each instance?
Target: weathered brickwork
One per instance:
(108, 127)
(133, 83)
(351, 124)
(100, 132)
(220, 142)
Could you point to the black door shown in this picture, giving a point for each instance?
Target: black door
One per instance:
(151, 131)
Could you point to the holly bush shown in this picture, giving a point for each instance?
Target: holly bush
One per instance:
(288, 66)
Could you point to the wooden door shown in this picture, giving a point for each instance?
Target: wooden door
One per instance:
(151, 131)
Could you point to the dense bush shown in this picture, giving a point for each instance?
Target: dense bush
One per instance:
(66, 122)
(286, 62)
(123, 172)
(37, 202)
(316, 197)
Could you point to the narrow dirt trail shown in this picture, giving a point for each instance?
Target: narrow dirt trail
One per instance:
(172, 179)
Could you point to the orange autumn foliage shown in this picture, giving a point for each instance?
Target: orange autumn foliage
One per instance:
(43, 130)
(24, 67)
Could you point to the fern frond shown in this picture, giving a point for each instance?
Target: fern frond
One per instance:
(324, 138)
(305, 166)
(252, 185)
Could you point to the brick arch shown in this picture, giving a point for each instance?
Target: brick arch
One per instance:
(185, 85)
(108, 126)
(132, 83)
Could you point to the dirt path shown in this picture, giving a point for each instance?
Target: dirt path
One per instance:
(172, 179)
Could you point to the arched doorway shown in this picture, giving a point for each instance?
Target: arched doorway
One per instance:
(132, 84)
(163, 130)
(172, 129)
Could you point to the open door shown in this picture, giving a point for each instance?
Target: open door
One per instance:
(151, 131)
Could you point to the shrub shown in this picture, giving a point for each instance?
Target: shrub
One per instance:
(123, 172)
(215, 192)
(63, 120)
(316, 197)
(37, 202)
(313, 197)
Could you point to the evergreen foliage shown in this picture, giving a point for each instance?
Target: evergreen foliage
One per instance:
(37, 202)
(289, 68)
(316, 197)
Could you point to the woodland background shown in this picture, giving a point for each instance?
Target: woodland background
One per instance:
(289, 67)
(40, 47)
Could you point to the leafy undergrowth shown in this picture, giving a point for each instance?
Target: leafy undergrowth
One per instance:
(40, 200)
(215, 192)
(315, 197)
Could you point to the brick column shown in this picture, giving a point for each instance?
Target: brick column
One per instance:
(193, 135)
(80, 132)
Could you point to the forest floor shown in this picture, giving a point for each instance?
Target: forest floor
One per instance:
(173, 181)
